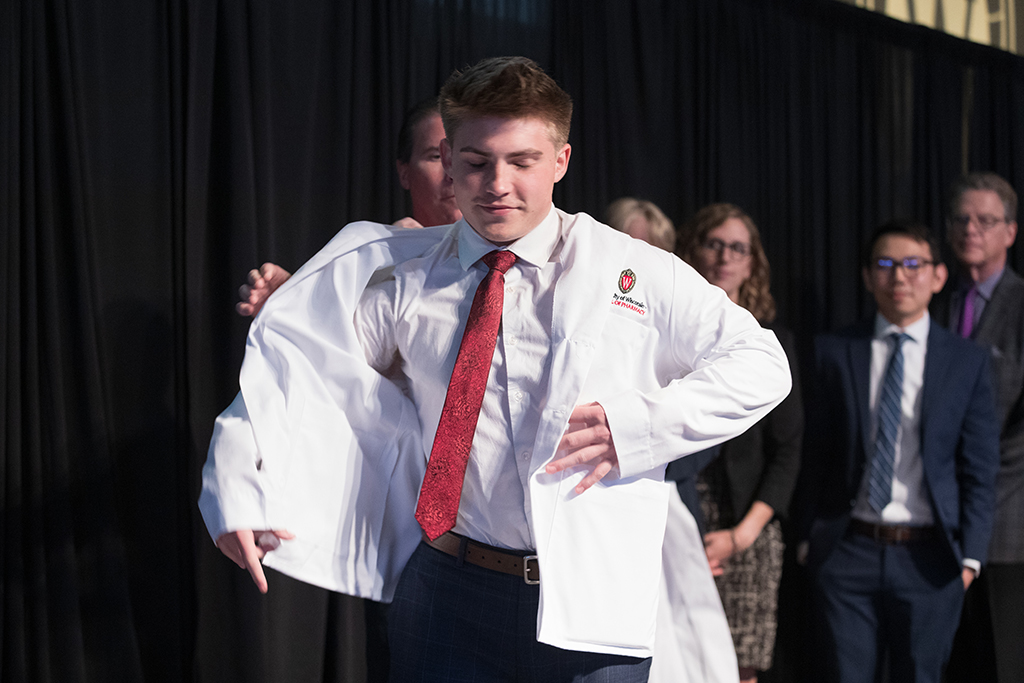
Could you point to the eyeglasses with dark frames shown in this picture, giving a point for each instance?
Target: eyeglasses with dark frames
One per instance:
(739, 250)
(986, 223)
(911, 265)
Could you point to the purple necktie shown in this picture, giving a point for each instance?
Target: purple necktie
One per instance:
(438, 505)
(967, 316)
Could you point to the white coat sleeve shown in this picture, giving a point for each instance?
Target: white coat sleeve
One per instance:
(730, 373)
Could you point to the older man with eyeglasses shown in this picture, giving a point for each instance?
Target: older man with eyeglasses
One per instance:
(985, 302)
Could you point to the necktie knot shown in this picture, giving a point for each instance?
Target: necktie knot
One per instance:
(898, 338)
(500, 260)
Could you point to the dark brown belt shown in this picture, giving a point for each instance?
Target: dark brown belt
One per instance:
(891, 533)
(488, 557)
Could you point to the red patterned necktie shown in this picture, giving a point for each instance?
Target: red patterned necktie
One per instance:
(438, 505)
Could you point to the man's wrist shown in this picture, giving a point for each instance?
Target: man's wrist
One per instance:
(973, 565)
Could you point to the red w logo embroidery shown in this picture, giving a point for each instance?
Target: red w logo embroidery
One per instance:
(626, 281)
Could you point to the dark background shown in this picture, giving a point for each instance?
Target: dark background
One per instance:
(151, 153)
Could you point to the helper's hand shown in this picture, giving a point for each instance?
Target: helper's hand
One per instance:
(246, 548)
(587, 439)
(260, 285)
(407, 222)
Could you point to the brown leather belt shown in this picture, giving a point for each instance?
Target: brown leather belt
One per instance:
(891, 533)
(488, 557)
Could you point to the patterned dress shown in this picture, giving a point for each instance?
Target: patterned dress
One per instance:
(750, 585)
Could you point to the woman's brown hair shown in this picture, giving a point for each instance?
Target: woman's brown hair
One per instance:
(755, 293)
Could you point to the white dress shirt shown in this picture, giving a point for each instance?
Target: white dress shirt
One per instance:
(909, 504)
(495, 504)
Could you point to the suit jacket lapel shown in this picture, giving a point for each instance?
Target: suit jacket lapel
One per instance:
(994, 315)
(860, 371)
(936, 370)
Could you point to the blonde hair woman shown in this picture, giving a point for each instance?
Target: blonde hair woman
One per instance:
(643, 220)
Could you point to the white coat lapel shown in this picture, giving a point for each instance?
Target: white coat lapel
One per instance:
(591, 264)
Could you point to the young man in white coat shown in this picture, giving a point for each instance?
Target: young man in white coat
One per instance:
(539, 555)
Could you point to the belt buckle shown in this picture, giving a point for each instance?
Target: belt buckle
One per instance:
(526, 570)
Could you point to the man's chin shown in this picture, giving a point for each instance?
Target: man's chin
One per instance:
(498, 232)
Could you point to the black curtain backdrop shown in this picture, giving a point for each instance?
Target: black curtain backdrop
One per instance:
(151, 153)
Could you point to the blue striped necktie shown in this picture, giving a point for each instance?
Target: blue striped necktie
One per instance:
(889, 413)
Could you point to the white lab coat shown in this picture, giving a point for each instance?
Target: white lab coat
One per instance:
(320, 444)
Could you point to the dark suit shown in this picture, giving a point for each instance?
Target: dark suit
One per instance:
(916, 608)
(993, 620)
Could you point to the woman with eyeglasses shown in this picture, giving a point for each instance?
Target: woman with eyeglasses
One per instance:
(748, 486)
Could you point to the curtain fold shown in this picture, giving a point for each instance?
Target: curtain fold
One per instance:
(152, 153)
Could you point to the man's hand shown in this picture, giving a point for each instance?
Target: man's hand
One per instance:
(407, 222)
(967, 574)
(246, 548)
(587, 439)
(261, 284)
(803, 549)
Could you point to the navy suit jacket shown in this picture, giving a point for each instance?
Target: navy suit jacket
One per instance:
(959, 439)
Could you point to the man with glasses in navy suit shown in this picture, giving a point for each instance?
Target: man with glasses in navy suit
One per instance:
(901, 458)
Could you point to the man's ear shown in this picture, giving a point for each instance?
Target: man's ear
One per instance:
(1011, 229)
(562, 162)
(940, 277)
(403, 173)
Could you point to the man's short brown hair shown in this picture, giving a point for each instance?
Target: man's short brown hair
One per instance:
(984, 181)
(505, 87)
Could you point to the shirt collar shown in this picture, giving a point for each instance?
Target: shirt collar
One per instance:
(917, 330)
(535, 247)
(986, 286)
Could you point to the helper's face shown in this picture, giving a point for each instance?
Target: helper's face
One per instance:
(902, 293)
(504, 172)
(433, 200)
(980, 233)
(719, 259)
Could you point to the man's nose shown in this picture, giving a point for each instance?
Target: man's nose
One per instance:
(497, 182)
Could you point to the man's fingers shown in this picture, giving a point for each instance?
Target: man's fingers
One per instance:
(407, 222)
(587, 440)
(246, 548)
(588, 413)
(582, 437)
(255, 569)
(579, 456)
(603, 468)
(274, 274)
